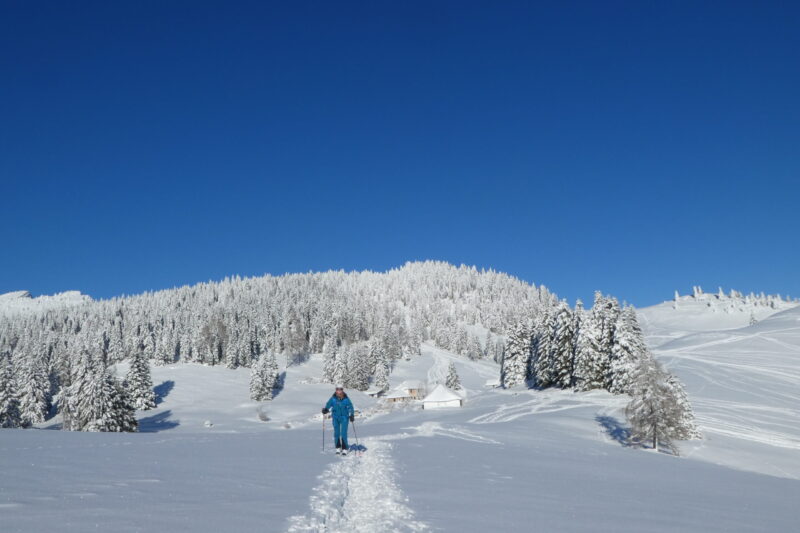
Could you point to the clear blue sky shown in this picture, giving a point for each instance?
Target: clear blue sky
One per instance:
(631, 147)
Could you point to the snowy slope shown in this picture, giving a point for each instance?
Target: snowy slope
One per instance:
(508, 461)
(21, 301)
(744, 385)
(702, 312)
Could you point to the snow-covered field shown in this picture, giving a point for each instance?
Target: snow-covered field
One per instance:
(514, 460)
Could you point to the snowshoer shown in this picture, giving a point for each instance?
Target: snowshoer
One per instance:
(341, 409)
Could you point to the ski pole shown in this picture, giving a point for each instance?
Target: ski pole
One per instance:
(323, 433)
(355, 433)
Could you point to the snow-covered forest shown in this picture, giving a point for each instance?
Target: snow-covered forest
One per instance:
(363, 321)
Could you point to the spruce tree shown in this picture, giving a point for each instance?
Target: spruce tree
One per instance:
(264, 377)
(588, 356)
(358, 375)
(516, 358)
(453, 381)
(542, 365)
(329, 361)
(9, 402)
(563, 348)
(340, 365)
(139, 383)
(628, 347)
(382, 370)
(106, 406)
(34, 392)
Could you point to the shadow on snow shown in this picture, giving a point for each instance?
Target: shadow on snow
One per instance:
(157, 422)
(163, 390)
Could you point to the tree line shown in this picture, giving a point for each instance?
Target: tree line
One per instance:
(59, 360)
(600, 348)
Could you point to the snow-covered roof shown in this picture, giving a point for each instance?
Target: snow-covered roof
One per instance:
(441, 394)
(410, 384)
(373, 391)
(397, 394)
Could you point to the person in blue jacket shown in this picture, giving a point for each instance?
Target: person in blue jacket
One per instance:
(341, 409)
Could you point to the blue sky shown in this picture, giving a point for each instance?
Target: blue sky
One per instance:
(634, 148)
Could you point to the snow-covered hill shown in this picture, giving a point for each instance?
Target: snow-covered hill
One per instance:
(209, 458)
(702, 311)
(18, 302)
(507, 461)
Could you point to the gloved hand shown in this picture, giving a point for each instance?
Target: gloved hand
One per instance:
(325, 411)
(352, 418)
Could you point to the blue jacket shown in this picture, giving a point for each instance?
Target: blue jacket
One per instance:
(340, 408)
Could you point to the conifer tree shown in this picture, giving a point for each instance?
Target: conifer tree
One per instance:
(685, 426)
(9, 402)
(628, 347)
(653, 412)
(358, 375)
(588, 356)
(264, 377)
(542, 365)
(106, 405)
(34, 392)
(382, 370)
(516, 358)
(563, 347)
(139, 384)
(474, 349)
(329, 361)
(340, 365)
(453, 381)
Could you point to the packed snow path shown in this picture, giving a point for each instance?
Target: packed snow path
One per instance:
(358, 494)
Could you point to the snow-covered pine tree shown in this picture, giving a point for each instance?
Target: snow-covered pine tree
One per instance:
(588, 357)
(474, 349)
(358, 374)
(541, 367)
(329, 361)
(69, 398)
(139, 384)
(563, 348)
(609, 312)
(34, 392)
(340, 365)
(106, 406)
(382, 370)
(685, 426)
(653, 412)
(628, 347)
(516, 358)
(453, 381)
(264, 377)
(9, 402)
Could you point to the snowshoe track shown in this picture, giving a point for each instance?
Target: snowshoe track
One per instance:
(358, 494)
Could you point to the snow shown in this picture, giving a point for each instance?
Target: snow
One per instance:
(508, 460)
(744, 385)
(441, 396)
(21, 302)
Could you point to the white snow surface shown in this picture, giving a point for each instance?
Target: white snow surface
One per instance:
(509, 460)
(19, 302)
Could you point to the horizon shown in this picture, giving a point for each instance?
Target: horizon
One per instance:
(682, 292)
(628, 148)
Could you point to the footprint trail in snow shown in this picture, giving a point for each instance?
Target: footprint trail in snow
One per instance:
(359, 495)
